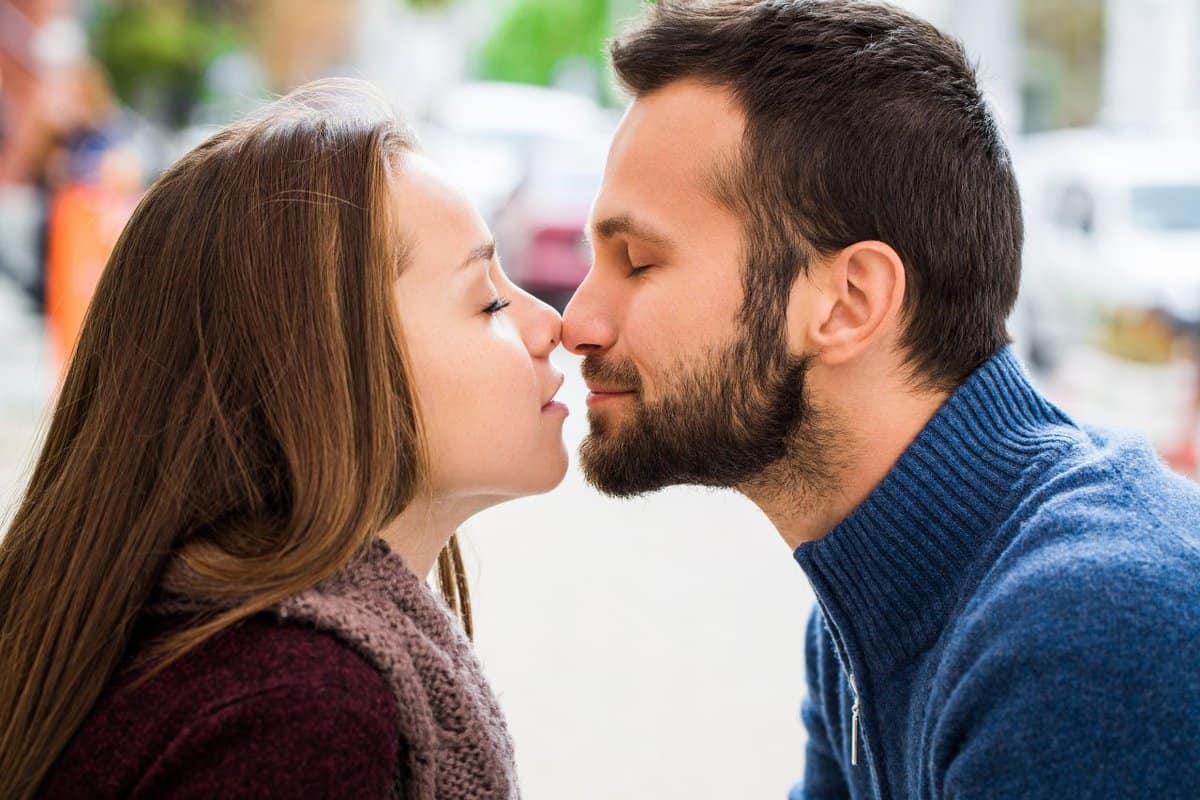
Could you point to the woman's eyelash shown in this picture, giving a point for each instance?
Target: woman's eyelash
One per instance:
(498, 305)
(635, 271)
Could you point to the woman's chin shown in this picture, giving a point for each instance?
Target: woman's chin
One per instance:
(551, 478)
(547, 477)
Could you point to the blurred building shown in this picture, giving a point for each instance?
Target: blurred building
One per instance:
(32, 43)
(1152, 65)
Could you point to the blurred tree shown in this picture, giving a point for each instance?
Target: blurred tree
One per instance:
(538, 36)
(156, 51)
(1064, 50)
(421, 5)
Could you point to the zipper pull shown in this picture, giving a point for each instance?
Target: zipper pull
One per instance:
(853, 723)
(854, 734)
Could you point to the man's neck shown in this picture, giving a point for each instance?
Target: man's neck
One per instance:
(869, 432)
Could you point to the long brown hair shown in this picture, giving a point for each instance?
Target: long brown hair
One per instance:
(238, 399)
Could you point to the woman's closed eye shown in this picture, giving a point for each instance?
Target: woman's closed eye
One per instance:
(636, 271)
(497, 305)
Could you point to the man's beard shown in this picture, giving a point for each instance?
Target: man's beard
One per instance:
(727, 423)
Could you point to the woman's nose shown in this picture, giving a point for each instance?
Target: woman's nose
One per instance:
(545, 331)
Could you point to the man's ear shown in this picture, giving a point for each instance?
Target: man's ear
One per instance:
(846, 302)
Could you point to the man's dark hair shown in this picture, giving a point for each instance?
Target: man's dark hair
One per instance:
(863, 122)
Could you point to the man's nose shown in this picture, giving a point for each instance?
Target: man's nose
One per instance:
(587, 320)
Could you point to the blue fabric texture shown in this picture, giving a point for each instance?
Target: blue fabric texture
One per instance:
(1014, 611)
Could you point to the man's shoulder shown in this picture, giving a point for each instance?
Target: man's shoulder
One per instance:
(1107, 509)
(1073, 654)
(1103, 569)
(1112, 477)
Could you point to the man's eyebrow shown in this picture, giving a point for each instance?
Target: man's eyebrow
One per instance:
(627, 225)
(485, 252)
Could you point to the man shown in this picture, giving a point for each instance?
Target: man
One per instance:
(807, 242)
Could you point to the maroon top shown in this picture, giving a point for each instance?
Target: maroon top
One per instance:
(264, 709)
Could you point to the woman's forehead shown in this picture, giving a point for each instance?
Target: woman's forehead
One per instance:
(441, 225)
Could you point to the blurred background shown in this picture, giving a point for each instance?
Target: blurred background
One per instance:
(652, 648)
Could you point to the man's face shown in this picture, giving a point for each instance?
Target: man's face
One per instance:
(680, 392)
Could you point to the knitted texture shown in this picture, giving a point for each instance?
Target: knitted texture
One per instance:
(1014, 611)
(264, 710)
(457, 744)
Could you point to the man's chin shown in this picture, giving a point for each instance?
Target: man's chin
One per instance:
(607, 485)
(606, 468)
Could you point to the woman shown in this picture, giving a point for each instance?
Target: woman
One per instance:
(302, 370)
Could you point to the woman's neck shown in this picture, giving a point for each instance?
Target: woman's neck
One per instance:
(422, 530)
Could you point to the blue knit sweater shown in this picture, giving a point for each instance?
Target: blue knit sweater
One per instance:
(1014, 612)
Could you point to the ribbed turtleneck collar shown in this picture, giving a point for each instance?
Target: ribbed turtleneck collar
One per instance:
(888, 574)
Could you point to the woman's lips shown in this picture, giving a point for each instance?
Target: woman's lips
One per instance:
(555, 407)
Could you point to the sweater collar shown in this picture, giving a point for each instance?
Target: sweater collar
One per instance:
(889, 574)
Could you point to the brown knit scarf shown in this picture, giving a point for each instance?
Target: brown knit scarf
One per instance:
(455, 744)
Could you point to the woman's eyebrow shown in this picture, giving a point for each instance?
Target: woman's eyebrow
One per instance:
(484, 252)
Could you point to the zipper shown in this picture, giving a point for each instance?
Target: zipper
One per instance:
(844, 658)
(854, 710)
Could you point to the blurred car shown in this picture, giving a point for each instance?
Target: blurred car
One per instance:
(485, 134)
(1112, 248)
(540, 231)
(530, 158)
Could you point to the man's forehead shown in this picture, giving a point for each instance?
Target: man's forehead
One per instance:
(667, 150)
(684, 125)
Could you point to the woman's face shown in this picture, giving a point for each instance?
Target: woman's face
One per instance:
(479, 350)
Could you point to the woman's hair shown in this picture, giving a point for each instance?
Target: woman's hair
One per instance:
(238, 402)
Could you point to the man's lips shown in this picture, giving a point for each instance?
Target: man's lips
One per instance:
(603, 394)
(606, 388)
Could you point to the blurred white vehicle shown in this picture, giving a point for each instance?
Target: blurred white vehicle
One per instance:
(1112, 245)
(486, 134)
(539, 231)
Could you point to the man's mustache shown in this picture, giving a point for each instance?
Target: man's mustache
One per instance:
(620, 373)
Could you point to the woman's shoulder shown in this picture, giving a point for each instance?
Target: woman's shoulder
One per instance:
(264, 708)
(262, 653)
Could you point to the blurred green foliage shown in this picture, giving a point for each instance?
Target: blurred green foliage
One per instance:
(1064, 55)
(156, 52)
(538, 35)
(422, 5)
